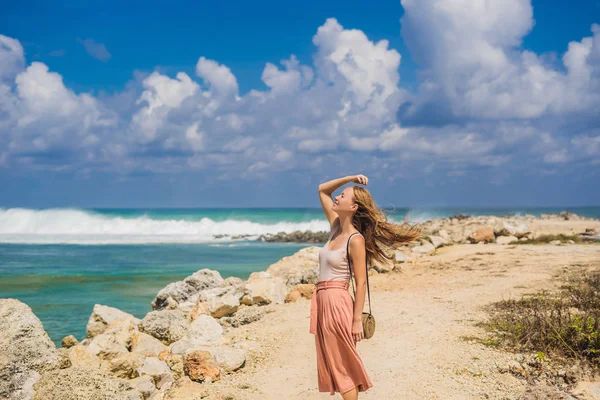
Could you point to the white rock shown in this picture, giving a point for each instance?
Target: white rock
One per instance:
(437, 241)
(265, 289)
(102, 316)
(425, 248)
(144, 385)
(147, 345)
(26, 351)
(167, 326)
(555, 242)
(204, 331)
(506, 239)
(229, 359)
(157, 369)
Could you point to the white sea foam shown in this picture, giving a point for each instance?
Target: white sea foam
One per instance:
(20, 225)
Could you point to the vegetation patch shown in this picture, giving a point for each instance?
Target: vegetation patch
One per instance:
(561, 324)
(545, 239)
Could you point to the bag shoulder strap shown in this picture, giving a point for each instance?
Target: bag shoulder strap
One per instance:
(350, 268)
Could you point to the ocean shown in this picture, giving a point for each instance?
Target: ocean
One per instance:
(63, 261)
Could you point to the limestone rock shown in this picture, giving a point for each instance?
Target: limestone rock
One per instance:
(80, 356)
(126, 365)
(80, 383)
(144, 385)
(424, 248)
(301, 267)
(506, 239)
(116, 339)
(69, 341)
(200, 365)
(157, 369)
(437, 241)
(26, 351)
(147, 345)
(228, 358)
(186, 290)
(245, 316)
(204, 331)
(175, 363)
(167, 326)
(222, 301)
(184, 389)
(383, 267)
(264, 288)
(103, 316)
(484, 234)
(302, 291)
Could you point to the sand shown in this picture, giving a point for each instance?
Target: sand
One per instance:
(422, 313)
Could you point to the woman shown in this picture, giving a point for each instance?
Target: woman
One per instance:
(336, 320)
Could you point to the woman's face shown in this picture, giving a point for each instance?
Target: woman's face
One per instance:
(344, 202)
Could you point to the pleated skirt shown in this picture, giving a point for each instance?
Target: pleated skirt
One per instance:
(339, 367)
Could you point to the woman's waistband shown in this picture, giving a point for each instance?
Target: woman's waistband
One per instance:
(333, 284)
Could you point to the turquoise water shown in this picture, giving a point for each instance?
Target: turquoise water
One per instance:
(61, 283)
(63, 261)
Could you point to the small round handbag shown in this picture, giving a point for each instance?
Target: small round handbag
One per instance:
(368, 320)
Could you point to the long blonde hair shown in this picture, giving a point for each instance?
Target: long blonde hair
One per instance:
(381, 236)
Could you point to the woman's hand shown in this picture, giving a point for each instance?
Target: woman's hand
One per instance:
(363, 180)
(357, 331)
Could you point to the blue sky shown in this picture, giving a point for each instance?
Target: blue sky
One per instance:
(166, 104)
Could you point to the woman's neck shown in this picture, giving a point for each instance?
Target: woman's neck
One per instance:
(346, 225)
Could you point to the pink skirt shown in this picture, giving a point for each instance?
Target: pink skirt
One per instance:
(339, 367)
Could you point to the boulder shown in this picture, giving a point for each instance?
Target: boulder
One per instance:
(80, 383)
(80, 356)
(168, 326)
(126, 365)
(103, 316)
(26, 351)
(227, 358)
(385, 266)
(263, 288)
(222, 301)
(157, 369)
(437, 241)
(424, 248)
(302, 291)
(245, 315)
(116, 339)
(175, 363)
(555, 242)
(484, 234)
(200, 365)
(183, 389)
(69, 341)
(204, 331)
(301, 267)
(147, 345)
(506, 239)
(505, 228)
(144, 385)
(186, 290)
(400, 257)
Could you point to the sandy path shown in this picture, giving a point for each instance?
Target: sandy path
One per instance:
(422, 313)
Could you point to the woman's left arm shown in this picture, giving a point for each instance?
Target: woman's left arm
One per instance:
(359, 268)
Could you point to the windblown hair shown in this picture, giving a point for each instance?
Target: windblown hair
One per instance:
(381, 236)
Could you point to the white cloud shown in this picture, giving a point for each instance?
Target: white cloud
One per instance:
(96, 50)
(483, 102)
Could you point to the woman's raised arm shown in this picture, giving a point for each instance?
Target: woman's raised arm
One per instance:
(326, 189)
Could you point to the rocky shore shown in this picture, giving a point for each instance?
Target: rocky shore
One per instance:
(196, 337)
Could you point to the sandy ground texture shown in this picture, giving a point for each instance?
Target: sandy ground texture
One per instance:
(422, 314)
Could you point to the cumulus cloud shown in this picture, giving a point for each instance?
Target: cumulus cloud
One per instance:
(483, 102)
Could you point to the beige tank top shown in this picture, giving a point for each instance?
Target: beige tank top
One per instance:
(333, 264)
